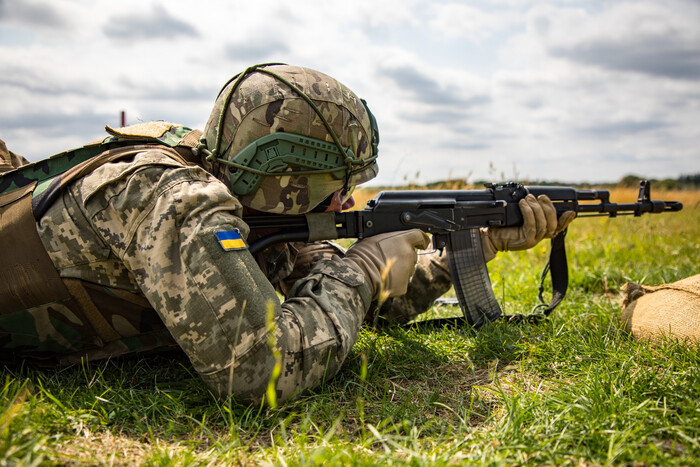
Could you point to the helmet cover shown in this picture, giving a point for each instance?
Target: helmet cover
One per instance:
(267, 99)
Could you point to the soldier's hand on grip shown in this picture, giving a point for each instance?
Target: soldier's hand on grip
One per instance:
(387, 260)
(539, 221)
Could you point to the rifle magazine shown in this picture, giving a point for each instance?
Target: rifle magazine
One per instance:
(470, 278)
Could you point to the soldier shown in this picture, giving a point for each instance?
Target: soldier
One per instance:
(136, 243)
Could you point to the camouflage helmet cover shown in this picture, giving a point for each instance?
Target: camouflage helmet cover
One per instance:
(260, 103)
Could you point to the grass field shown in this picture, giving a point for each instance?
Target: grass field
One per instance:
(575, 389)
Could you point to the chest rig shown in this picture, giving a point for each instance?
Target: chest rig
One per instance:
(29, 280)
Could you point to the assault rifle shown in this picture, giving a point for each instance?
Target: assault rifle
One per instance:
(454, 218)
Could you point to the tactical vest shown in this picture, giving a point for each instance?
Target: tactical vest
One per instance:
(73, 319)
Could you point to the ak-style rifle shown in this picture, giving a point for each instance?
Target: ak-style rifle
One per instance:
(454, 218)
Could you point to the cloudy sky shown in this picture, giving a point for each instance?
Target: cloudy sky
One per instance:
(484, 89)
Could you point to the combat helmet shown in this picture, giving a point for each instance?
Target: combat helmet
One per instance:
(285, 138)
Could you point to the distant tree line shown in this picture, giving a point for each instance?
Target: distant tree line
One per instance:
(684, 182)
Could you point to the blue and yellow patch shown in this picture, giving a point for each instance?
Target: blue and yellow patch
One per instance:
(231, 240)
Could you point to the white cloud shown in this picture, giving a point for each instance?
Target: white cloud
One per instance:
(159, 23)
(661, 39)
(458, 20)
(33, 13)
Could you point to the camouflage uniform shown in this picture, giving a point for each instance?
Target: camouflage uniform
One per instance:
(139, 236)
(296, 261)
(145, 229)
(136, 231)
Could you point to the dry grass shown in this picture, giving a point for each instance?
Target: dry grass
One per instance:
(104, 448)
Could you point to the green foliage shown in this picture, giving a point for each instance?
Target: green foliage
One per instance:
(575, 389)
(684, 182)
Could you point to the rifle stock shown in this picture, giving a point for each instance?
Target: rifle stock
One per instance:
(454, 218)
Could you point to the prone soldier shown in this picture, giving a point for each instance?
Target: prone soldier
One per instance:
(141, 246)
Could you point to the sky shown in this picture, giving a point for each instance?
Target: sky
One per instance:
(573, 91)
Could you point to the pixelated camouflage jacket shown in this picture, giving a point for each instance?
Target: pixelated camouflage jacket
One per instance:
(139, 235)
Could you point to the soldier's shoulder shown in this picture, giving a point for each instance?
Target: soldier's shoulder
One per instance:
(128, 167)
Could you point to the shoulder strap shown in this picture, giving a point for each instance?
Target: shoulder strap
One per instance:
(162, 134)
(46, 193)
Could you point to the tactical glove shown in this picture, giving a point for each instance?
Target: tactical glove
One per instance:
(387, 260)
(539, 221)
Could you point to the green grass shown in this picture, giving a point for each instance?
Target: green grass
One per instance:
(575, 389)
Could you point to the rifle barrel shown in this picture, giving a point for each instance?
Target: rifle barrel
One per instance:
(652, 206)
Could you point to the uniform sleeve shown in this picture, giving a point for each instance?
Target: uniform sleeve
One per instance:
(430, 281)
(162, 222)
(306, 257)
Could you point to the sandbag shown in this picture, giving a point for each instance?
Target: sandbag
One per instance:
(671, 310)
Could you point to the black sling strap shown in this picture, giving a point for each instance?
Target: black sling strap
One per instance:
(559, 271)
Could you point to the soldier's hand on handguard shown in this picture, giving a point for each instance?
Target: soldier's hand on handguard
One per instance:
(387, 260)
(539, 222)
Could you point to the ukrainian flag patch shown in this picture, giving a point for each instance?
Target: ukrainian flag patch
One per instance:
(231, 240)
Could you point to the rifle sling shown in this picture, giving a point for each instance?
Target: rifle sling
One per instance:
(559, 272)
